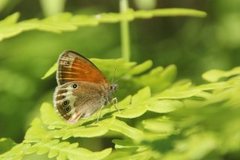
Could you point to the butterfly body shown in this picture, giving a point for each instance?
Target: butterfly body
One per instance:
(82, 89)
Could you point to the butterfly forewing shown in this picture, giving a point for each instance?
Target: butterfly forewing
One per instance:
(74, 67)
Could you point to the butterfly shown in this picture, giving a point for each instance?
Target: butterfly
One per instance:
(82, 88)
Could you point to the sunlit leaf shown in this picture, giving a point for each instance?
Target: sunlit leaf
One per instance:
(164, 106)
(160, 125)
(140, 68)
(158, 78)
(6, 144)
(122, 127)
(50, 71)
(137, 105)
(50, 117)
(67, 150)
(216, 75)
(113, 67)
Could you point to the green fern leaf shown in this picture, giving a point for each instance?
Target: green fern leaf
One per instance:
(216, 75)
(57, 23)
(137, 106)
(164, 106)
(140, 68)
(17, 152)
(6, 144)
(165, 78)
(51, 71)
(161, 125)
(123, 128)
(66, 150)
(67, 22)
(6, 30)
(37, 132)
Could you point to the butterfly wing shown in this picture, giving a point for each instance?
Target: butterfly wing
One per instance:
(74, 67)
(82, 88)
(74, 100)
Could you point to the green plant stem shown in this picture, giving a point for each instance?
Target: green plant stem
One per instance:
(125, 43)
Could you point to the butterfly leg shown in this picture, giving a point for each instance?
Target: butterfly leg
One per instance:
(114, 102)
(99, 113)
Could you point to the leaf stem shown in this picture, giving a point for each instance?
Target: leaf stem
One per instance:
(124, 28)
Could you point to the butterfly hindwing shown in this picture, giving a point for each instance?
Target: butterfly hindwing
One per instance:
(74, 100)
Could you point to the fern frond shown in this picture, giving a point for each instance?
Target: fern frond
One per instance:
(67, 22)
(160, 120)
(66, 150)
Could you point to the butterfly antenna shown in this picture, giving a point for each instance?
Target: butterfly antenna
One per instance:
(114, 76)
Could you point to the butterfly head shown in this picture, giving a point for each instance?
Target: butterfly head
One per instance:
(113, 88)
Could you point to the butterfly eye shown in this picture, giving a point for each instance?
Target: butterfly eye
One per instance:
(113, 87)
(74, 85)
(65, 103)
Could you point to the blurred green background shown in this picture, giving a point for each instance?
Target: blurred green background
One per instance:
(195, 45)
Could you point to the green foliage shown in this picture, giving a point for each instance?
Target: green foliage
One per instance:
(216, 75)
(67, 22)
(176, 121)
(158, 117)
(6, 144)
